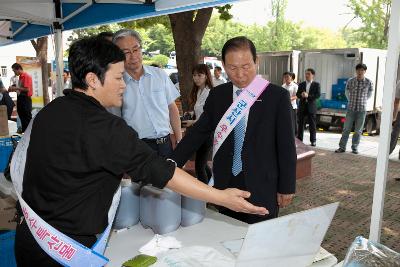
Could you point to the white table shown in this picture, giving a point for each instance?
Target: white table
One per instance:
(214, 229)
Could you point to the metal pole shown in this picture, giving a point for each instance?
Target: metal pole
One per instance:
(386, 122)
(59, 62)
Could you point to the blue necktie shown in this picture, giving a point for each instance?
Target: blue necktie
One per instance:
(239, 132)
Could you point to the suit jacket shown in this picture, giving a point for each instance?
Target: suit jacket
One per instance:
(268, 154)
(309, 104)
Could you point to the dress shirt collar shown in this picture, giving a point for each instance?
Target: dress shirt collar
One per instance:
(146, 72)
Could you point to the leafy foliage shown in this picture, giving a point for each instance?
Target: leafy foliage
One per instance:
(374, 15)
(159, 60)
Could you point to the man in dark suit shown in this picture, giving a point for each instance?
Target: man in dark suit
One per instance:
(308, 93)
(264, 162)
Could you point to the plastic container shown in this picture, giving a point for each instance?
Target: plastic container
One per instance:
(128, 210)
(160, 209)
(193, 211)
(342, 82)
(7, 256)
(6, 148)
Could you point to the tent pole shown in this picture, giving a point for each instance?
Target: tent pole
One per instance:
(392, 60)
(59, 62)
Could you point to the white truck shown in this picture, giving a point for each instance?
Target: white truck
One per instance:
(333, 67)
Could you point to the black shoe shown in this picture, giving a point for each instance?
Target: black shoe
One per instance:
(313, 144)
(340, 150)
(354, 151)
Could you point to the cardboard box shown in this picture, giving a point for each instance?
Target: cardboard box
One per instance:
(3, 121)
(7, 212)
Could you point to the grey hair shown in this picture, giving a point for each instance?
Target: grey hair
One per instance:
(125, 33)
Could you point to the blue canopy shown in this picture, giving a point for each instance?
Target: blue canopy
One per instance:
(22, 20)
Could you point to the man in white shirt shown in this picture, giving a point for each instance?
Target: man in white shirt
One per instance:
(218, 79)
(292, 87)
(149, 99)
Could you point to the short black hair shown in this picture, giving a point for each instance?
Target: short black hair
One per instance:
(16, 66)
(218, 68)
(291, 74)
(92, 54)
(238, 43)
(105, 35)
(66, 71)
(361, 66)
(287, 73)
(311, 70)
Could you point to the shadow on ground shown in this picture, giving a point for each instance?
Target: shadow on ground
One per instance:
(349, 179)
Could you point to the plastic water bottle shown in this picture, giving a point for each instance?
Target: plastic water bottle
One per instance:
(160, 209)
(128, 210)
(193, 211)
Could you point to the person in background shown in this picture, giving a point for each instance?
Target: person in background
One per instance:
(308, 93)
(6, 100)
(292, 87)
(202, 84)
(106, 35)
(259, 155)
(149, 100)
(71, 175)
(24, 92)
(396, 120)
(358, 90)
(218, 79)
(67, 79)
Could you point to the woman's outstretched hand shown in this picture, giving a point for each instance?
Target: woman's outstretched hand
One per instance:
(235, 200)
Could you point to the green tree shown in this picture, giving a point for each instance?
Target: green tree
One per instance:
(374, 15)
(217, 33)
(317, 38)
(161, 39)
(279, 35)
(159, 60)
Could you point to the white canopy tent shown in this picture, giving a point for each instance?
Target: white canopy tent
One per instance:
(22, 20)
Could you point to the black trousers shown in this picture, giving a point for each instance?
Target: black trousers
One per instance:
(163, 150)
(203, 171)
(294, 121)
(28, 253)
(312, 126)
(238, 182)
(24, 109)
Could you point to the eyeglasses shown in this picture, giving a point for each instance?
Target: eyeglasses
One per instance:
(134, 51)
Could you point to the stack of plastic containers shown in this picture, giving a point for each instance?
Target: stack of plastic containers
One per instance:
(162, 210)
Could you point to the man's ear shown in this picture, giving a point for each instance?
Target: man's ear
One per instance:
(257, 60)
(91, 80)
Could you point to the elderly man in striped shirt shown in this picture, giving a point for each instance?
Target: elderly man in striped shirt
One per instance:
(358, 90)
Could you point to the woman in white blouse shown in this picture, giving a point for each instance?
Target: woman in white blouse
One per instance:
(202, 84)
(291, 86)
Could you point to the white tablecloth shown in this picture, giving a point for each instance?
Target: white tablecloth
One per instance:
(213, 230)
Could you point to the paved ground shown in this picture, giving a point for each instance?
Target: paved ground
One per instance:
(368, 145)
(349, 179)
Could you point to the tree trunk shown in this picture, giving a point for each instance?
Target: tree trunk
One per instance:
(188, 30)
(40, 46)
